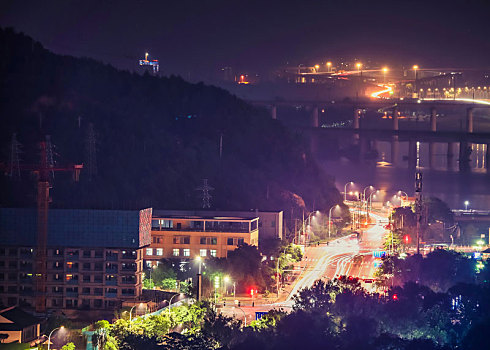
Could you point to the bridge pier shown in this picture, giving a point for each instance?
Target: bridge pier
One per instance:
(314, 117)
(274, 111)
(487, 156)
(469, 120)
(433, 119)
(395, 118)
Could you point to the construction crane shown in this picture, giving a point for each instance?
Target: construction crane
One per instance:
(153, 63)
(44, 170)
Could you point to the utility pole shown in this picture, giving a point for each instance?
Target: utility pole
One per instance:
(418, 205)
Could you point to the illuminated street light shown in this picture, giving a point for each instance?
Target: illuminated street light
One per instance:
(345, 189)
(199, 278)
(170, 302)
(130, 311)
(317, 67)
(415, 68)
(385, 70)
(466, 203)
(359, 66)
(329, 65)
(49, 337)
(330, 218)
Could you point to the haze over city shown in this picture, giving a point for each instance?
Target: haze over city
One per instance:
(235, 175)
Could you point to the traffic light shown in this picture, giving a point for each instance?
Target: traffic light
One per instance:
(395, 297)
(406, 239)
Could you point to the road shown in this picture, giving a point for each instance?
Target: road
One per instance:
(343, 256)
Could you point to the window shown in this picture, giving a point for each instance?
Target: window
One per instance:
(203, 252)
(166, 223)
(98, 303)
(187, 252)
(175, 252)
(86, 290)
(159, 251)
(148, 264)
(57, 290)
(209, 240)
(212, 252)
(97, 291)
(87, 253)
(182, 239)
(86, 266)
(149, 251)
(156, 239)
(86, 278)
(229, 241)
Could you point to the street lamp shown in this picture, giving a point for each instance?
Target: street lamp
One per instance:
(329, 65)
(199, 278)
(385, 70)
(345, 189)
(308, 218)
(330, 218)
(131, 310)
(244, 315)
(415, 67)
(466, 203)
(359, 66)
(49, 337)
(317, 67)
(170, 302)
(226, 280)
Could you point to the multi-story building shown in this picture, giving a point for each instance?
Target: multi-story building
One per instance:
(94, 257)
(178, 235)
(270, 222)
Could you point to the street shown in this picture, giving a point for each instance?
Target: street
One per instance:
(342, 256)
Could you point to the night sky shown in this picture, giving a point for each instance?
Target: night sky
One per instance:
(197, 37)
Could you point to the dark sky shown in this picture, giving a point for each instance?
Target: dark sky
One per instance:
(198, 36)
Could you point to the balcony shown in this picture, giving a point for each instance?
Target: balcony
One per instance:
(112, 269)
(72, 281)
(111, 257)
(111, 282)
(110, 295)
(72, 294)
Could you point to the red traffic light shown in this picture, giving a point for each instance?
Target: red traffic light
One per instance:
(395, 297)
(406, 238)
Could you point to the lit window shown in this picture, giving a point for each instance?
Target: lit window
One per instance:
(187, 252)
(175, 252)
(203, 252)
(148, 264)
(159, 251)
(149, 251)
(212, 252)
(69, 277)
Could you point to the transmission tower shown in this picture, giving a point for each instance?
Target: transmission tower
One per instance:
(14, 161)
(91, 151)
(49, 156)
(418, 205)
(206, 197)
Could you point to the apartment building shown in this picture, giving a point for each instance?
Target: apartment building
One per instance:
(94, 257)
(181, 236)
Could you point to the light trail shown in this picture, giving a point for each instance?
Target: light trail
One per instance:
(387, 89)
(482, 102)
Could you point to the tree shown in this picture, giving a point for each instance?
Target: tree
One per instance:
(3, 336)
(69, 346)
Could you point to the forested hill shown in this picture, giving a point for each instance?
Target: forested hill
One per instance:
(156, 138)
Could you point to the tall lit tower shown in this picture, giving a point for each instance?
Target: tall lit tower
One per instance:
(14, 161)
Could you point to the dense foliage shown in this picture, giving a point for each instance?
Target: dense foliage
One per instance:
(156, 138)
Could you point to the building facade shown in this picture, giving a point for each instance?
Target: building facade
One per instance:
(94, 257)
(189, 236)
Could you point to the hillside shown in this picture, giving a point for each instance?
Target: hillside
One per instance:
(156, 138)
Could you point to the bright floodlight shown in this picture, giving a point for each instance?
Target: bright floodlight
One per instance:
(415, 67)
